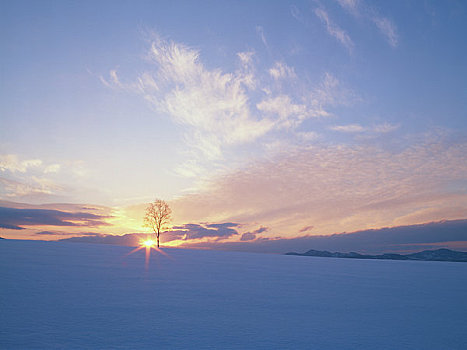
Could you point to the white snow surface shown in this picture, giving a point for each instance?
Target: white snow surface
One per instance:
(91, 296)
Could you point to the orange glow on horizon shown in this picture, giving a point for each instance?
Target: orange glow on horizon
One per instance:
(149, 243)
(175, 243)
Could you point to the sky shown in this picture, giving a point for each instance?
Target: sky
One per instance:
(255, 120)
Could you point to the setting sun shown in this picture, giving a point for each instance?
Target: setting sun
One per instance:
(148, 243)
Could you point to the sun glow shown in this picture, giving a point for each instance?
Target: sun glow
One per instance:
(148, 243)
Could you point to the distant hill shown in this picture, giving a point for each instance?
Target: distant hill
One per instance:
(426, 255)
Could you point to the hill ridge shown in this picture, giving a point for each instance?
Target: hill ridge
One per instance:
(441, 254)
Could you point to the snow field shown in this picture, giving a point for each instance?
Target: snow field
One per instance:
(75, 296)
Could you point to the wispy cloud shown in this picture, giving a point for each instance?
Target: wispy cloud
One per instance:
(388, 29)
(295, 12)
(334, 30)
(331, 92)
(348, 128)
(282, 71)
(385, 128)
(223, 110)
(53, 168)
(289, 113)
(350, 5)
(12, 163)
(28, 187)
(213, 103)
(31, 178)
(357, 128)
(358, 9)
(260, 33)
(113, 81)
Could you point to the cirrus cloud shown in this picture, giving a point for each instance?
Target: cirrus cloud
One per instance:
(338, 188)
(357, 128)
(334, 30)
(222, 111)
(359, 10)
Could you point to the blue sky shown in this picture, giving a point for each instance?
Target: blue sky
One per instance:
(337, 115)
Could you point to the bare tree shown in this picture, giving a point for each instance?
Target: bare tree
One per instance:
(158, 215)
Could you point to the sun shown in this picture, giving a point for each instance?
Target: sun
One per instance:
(148, 243)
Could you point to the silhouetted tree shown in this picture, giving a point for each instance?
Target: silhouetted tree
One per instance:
(158, 215)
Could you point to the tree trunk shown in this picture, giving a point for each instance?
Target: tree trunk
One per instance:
(157, 239)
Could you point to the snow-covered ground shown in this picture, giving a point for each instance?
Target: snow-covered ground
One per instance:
(71, 295)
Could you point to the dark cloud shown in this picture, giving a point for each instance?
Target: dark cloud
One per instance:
(196, 231)
(130, 239)
(59, 233)
(250, 236)
(451, 234)
(51, 233)
(223, 225)
(448, 234)
(182, 232)
(10, 227)
(14, 218)
(306, 228)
